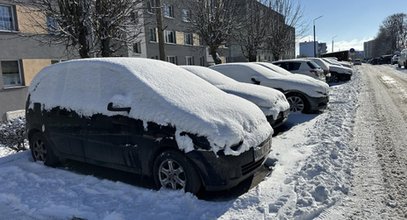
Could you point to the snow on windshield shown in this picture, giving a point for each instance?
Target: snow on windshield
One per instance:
(212, 76)
(275, 68)
(156, 91)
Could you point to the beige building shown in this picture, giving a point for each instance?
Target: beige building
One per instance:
(21, 56)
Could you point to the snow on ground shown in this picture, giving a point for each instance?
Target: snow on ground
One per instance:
(311, 174)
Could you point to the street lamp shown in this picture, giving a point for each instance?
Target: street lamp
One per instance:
(333, 42)
(315, 43)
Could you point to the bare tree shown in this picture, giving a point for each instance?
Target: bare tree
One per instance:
(392, 35)
(215, 21)
(287, 23)
(95, 27)
(255, 20)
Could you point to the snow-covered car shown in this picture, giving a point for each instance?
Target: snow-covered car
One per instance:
(148, 117)
(272, 102)
(338, 72)
(395, 59)
(403, 59)
(302, 66)
(324, 66)
(305, 94)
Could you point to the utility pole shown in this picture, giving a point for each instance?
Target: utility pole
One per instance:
(315, 43)
(160, 31)
(333, 42)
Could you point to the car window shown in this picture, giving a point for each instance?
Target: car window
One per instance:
(294, 66)
(313, 65)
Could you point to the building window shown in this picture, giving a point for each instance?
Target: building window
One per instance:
(189, 60)
(172, 59)
(168, 11)
(188, 39)
(150, 5)
(52, 25)
(137, 47)
(11, 73)
(153, 35)
(186, 15)
(202, 61)
(170, 37)
(7, 18)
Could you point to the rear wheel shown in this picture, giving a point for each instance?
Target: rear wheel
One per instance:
(41, 150)
(297, 103)
(172, 170)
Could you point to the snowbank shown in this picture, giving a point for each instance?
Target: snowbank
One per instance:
(156, 91)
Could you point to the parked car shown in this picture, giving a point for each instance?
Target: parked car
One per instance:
(385, 59)
(272, 102)
(338, 72)
(324, 66)
(302, 66)
(304, 95)
(395, 59)
(148, 117)
(403, 59)
(357, 62)
(375, 61)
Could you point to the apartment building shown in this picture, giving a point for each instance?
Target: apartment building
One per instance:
(21, 56)
(182, 46)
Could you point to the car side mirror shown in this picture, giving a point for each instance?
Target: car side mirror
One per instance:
(112, 108)
(255, 81)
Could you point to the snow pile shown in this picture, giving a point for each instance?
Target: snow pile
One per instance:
(156, 91)
(270, 101)
(12, 134)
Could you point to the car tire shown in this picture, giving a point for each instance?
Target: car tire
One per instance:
(172, 170)
(298, 103)
(41, 150)
(399, 65)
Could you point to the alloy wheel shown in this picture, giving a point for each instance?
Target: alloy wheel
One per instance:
(39, 150)
(171, 175)
(296, 104)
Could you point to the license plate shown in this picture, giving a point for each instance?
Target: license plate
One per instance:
(261, 151)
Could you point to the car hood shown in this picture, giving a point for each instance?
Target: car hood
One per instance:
(270, 101)
(340, 69)
(157, 92)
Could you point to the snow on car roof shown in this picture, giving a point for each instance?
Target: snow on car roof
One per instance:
(275, 68)
(156, 91)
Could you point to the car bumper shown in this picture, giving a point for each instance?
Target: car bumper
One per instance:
(220, 172)
(281, 118)
(318, 103)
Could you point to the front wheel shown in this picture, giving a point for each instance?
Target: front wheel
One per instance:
(172, 170)
(297, 103)
(41, 150)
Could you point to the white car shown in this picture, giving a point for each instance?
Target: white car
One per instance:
(403, 59)
(303, 93)
(338, 72)
(302, 66)
(272, 102)
(324, 66)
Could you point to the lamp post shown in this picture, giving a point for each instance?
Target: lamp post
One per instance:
(333, 43)
(315, 43)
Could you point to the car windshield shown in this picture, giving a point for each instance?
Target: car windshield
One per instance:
(313, 65)
(211, 76)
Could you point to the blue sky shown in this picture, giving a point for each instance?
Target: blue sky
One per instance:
(352, 21)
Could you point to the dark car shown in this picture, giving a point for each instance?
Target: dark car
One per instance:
(139, 115)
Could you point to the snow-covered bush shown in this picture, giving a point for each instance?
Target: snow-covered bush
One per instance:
(12, 134)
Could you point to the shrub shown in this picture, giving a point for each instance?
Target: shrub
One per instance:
(13, 134)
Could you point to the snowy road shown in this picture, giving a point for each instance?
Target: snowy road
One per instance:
(349, 162)
(380, 184)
